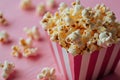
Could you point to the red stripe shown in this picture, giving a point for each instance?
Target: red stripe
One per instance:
(62, 60)
(105, 61)
(91, 65)
(71, 62)
(115, 62)
(77, 66)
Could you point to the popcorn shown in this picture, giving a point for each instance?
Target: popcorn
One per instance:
(74, 50)
(54, 37)
(74, 37)
(86, 13)
(92, 48)
(4, 37)
(101, 29)
(33, 32)
(7, 69)
(77, 9)
(26, 48)
(25, 43)
(62, 6)
(105, 39)
(68, 20)
(16, 51)
(47, 74)
(40, 9)
(46, 22)
(82, 30)
(26, 4)
(3, 21)
(87, 33)
(29, 52)
(50, 3)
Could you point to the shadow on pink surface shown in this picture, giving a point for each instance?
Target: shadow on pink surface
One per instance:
(112, 77)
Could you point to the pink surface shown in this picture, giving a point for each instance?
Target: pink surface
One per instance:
(28, 68)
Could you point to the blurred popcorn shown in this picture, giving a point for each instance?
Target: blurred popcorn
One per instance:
(7, 69)
(26, 42)
(16, 51)
(68, 20)
(33, 32)
(3, 21)
(62, 6)
(26, 4)
(25, 49)
(40, 9)
(73, 49)
(29, 52)
(50, 3)
(4, 37)
(45, 21)
(47, 74)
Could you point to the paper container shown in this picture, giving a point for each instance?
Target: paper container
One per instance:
(88, 66)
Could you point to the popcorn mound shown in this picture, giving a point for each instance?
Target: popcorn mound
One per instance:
(82, 30)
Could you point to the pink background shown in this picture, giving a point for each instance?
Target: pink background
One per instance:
(28, 68)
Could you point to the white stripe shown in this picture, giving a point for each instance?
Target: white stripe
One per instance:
(67, 64)
(54, 45)
(98, 65)
(84, 66)
(112, 58)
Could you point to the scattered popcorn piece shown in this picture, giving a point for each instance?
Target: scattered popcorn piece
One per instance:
(26, 4)
(29, 52)
(4, 37)
(26, 43)
(1, 65)
(33, 32)
(3, 21)
(40, 9)
(7, 69)
(50, 3)
(82, 30)
(47, 74)
(16, 51)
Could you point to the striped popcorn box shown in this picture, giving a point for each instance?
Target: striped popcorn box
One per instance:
(88, 66)
(80, 30)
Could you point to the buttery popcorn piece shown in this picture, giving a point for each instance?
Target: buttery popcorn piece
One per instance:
(82, 30)
(62, 6)
(3, 21)
(16, 51)
(105, 39)
(26, 42)
(47, 73)
(4, 37)
(33, 32)
(40, 9)
(7, 69)
(29, 52)
(74, 37)
(50, 3)
(26, 4)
